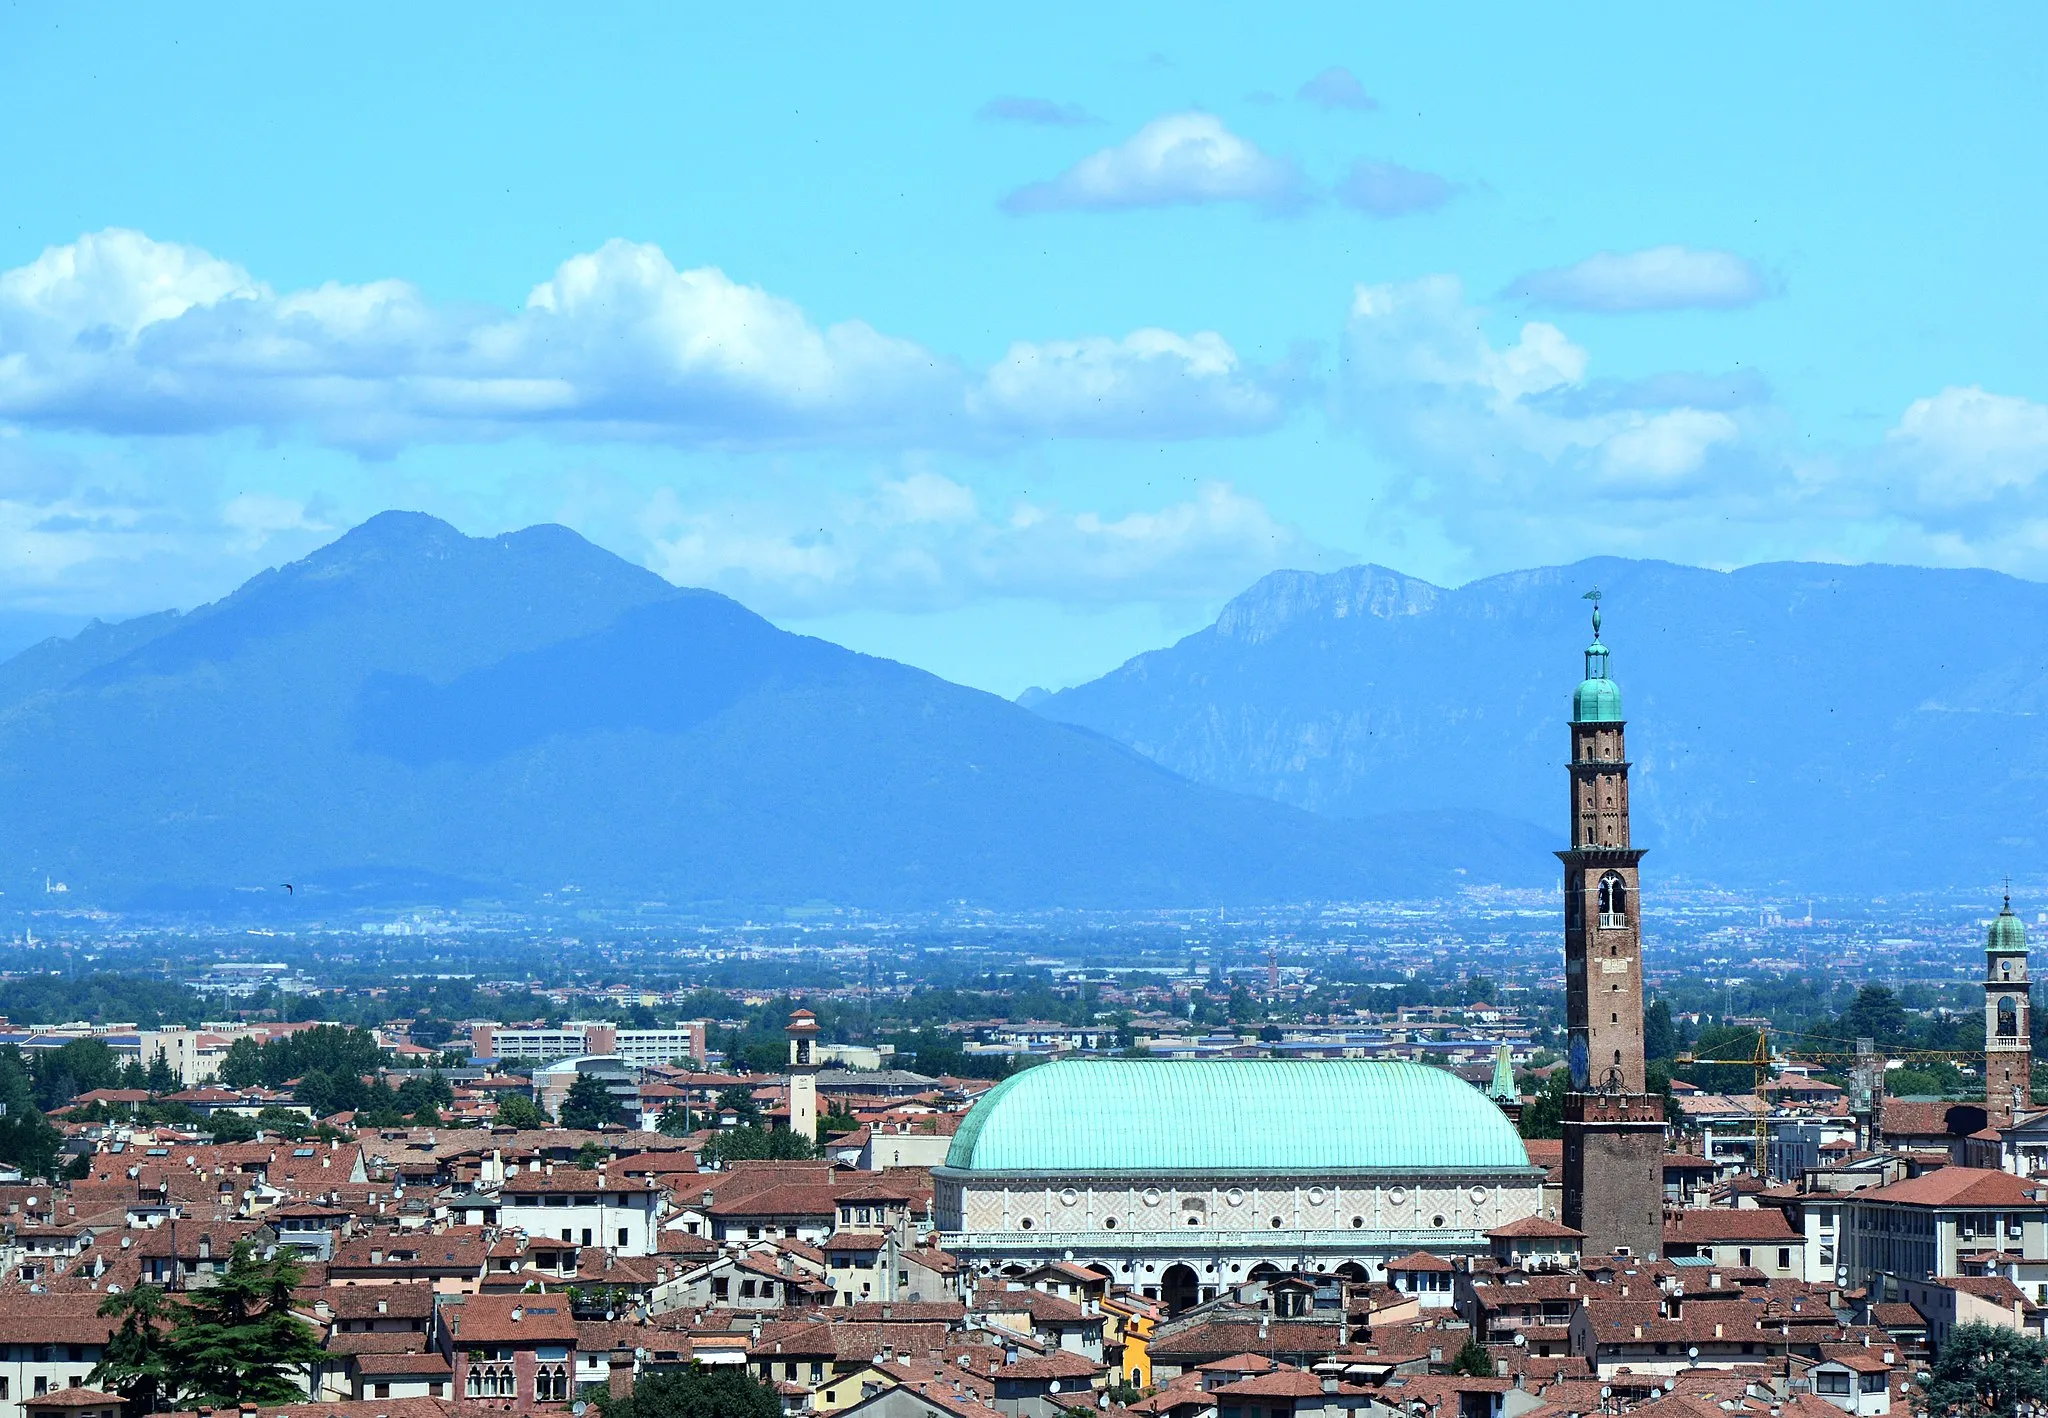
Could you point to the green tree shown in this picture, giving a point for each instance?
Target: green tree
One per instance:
(78, 1067)
(738, 1099)
(160, 1077)
(516, 1110)
(1660, 1036)
(720, 1391)
(754, 1144)
(428, 1090)
(589, 1103)
(26, 1138)
(592, 1155)
(1544, 1115)
(1984, 1371)
(1723, 1051)
(1875, 1014)
(1472, 1360)
(134, 1363)
(242, 1065)
(287, 1121)
(675, 1121)
(237, 1340)
(231, 1127)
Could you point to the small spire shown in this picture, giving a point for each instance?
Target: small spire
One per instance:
(1594, 596)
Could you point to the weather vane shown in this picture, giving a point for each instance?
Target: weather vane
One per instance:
(1594, 596)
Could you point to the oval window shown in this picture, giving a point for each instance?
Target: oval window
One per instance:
(1109, 1223)
(1235, 1196)
(1357, 1222)
(1069, 1197)
(1436, 1220)
(1397, 1195)
(1151, 1196)
(1316, 1195)
(1479, 1196)
(1025, 1223)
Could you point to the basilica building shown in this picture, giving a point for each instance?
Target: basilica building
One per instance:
(1182, 1176)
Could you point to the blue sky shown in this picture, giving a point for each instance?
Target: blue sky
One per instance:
(1012, 343)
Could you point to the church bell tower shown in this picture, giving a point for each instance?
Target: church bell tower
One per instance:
(1613, 1126)
(2008, 1048)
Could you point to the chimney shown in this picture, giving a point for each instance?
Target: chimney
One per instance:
(1329, 1383)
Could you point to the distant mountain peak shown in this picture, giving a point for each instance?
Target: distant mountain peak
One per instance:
(1281, 598)
(394, 535)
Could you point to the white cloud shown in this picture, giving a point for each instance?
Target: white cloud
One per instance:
(1337, 87)
(1511, 435)
(925, 542)
(1661, 278)
(1180, 159)
(1965, 446)
(1115, 388)
(118, 333)
(1387, 189)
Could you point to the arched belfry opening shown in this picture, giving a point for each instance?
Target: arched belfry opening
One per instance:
(1613, 902)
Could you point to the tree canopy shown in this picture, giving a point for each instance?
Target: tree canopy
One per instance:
(1983, 1371)
(235, 1341)
(721, 1391)
(589, 1103)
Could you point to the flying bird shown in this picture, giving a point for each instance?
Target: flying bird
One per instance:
(288, 889)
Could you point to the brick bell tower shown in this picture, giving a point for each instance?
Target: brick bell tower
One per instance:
(1613, 1126)
(2008, 1049)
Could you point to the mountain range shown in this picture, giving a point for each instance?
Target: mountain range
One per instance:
(410, 714)
(1792, 726)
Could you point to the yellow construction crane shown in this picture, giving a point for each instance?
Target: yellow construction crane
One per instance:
(1762, 1061)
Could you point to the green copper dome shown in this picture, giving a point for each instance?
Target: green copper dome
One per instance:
(1093, 1116)
(2008, 935)
(1597, 700)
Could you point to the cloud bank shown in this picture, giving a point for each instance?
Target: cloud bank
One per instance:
(121, 334)
(1182, 159)
(1387, 189)
(924, 542)
(1337, 87)
(1661, 278)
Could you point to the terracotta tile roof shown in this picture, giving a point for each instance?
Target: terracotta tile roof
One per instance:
(1421, 1261)
(569, 1179)
(369, 1408)
(1717, 1224)
(1536, 1227)
(1959, 1186)
(1986, 1287)
(510, 1319)
(425, 1364)
(71, 1398)
(1059, 1364)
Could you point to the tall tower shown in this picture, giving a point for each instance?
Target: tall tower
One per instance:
(803, 1074)
(2008, 1052)
(1613, 1126)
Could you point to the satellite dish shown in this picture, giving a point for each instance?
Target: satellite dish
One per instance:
(1054, 1386)
(577, 1407)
